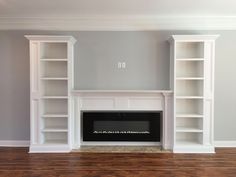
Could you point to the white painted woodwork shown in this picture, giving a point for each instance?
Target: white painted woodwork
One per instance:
(56, 109)
(118, 15)
(74, 8)
(51, 71)
(192, 60)
(119, 23)
(123, 100)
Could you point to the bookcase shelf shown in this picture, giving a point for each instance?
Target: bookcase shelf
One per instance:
(189, 106)
(55, 97)
(51, 50)
(189, 78)
(189, 69)
(190, 115)
(188, 129)
(189, 88)
(55, 130)
(188, 142)
(55, 138)
(54, 78)
(189, 97)
(54, 115)
(56, 69)
(189, 59)
(55, 106)
(189, 138)
(54, 88)
(54, 59)
(192, 49)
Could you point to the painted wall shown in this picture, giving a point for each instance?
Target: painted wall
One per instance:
(96, 55)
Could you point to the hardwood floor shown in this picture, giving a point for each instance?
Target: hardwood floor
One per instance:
(16, 162)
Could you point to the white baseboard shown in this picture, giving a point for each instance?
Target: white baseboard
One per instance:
(49, 149)
(194, 149)
(225, 143)
(24, 143)
(14, 143)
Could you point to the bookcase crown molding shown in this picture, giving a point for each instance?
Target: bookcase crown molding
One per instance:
(45, 38)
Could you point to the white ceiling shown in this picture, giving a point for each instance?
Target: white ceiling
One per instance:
(62, 8)
(117, 14)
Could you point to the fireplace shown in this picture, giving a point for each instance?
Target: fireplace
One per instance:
(139, 126)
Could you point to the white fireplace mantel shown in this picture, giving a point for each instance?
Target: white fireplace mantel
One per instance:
(131, 100)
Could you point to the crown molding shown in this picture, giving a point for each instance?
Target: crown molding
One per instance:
(119, 23)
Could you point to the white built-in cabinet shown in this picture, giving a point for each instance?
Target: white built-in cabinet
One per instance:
(51, 81)
(192, 80)
(54, 129)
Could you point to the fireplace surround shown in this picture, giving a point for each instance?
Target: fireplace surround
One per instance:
(158, 103)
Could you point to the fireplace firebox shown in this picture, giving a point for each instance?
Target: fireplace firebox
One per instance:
(121, 126)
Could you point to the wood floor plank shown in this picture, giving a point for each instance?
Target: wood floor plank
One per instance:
(16, 162)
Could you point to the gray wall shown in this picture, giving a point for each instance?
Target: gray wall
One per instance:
(146, 55)
(96, 55)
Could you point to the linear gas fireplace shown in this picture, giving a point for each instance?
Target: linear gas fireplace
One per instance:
(121, 126)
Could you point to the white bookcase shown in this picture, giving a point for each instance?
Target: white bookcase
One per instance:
(52, 106)
(51, 76)
(192, 80)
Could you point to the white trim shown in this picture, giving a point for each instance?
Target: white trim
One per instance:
(194, 38)
(14, 143)
(50, 38)
(225, 143)
(119, 22)
(49, 148)
(194, 149)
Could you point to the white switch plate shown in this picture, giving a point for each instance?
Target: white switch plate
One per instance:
(119, 65)
(123, 64)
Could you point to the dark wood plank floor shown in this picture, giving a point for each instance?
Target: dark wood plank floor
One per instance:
(16, 162)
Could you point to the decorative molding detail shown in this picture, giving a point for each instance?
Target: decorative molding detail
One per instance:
(120, 23)
(14, 143)
(225, 143)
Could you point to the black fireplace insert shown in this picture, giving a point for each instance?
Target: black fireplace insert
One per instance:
(121, 126)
